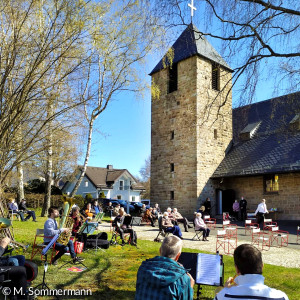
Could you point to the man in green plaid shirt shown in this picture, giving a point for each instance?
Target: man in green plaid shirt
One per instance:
(162, 277)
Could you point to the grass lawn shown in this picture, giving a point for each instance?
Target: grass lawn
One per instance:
(111, 274)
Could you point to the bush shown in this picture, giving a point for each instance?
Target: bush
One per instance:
(37, 186)
(102, 195)
(79, 200)
(88, 198)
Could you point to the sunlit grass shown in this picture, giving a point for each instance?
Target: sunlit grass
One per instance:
(111, 274)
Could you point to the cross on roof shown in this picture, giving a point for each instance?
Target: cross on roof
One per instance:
(191, 5)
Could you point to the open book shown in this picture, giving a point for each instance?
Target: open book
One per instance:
(205, 268)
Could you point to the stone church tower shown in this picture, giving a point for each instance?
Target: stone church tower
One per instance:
(191, 126)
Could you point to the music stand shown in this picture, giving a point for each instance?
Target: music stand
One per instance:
(89, 228)
(201, 265)
(44, 285)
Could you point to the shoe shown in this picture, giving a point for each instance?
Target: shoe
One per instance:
(54, 262)
(186, 230)
(77, 260)
(153, 225)
(190, 226)
(34, 220)
(133, 244)
(123, 243)
(181, 237)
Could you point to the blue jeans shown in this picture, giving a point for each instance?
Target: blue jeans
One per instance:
(174, 230)
(16, 260)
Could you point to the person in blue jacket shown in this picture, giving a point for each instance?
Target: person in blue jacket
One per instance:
(162, 277)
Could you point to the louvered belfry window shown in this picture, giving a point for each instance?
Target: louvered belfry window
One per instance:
(173, 78)
(215, 77)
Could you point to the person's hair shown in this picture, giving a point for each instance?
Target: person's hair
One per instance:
(166, 214)
(11, 199)
(248, 259)
(76, 208)
(171, 246)
(263, 200)
(174, 209)
(121, 211)
(198, 215)
(51, 210)
(169, 209)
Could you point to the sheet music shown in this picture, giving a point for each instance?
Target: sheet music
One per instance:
(208, 269)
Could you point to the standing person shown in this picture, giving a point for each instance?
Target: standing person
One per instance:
(249, 283)
(162, 277)
(78, 222)
(157, 208)
(243, 208)
(207, 205)
(50, 230)
(201, 226)
(13, 206)
(236, 209)
(260, 212)
(169, 226)
(31, 213)
(109, 209)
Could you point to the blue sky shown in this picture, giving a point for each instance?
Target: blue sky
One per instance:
(123, 138)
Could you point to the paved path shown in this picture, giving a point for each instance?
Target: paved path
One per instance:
(286, 256)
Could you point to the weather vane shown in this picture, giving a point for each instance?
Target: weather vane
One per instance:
(191, 5)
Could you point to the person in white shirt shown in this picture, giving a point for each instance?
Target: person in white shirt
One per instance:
(249, 283)
(261, 211)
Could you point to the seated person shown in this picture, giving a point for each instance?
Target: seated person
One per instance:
(143, 210)
(13, 206)
(154, 214)
(180, 219)
(148, 216)
(96, 207)
(116, 210)
(89, 211)
(30, 213)
(122, 228)
(157, 208)
(201, 226)
(12, 268)
(50, 230)
(171, 217)
(109, 209)
(168, 226)
(162, 277)
(78, 222)
(249, 283)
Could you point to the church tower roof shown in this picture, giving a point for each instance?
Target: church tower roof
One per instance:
(191, 43)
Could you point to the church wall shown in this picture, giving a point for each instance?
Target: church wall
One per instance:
(287, 200)
(214, 127)
(171, 112)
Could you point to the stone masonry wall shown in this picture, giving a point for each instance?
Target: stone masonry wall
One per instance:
(171, 113)
(194, 113)
(214, 127)
(287, 200)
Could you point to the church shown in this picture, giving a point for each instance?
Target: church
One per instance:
(201, 147)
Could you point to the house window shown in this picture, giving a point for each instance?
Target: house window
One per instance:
(173, 78)
(215, 77)
(172, 167)
(133, 198)
(215, 134)
(172, 135)
(121, 187)
(271, 184)
(171, 195)
(119, 197)
(86, 183)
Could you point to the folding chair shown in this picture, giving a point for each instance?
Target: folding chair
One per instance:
(116, 238)
(161, 230)
(255, 237)
(279, 237)
(198, 233)
(265, 240)
(228, 244)
(298, 234)
(99, 216)
(268, 224)
(38, 244)
(136, 221)
(249, 226)
(211, 222)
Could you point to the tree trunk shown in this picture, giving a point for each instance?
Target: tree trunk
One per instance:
(20, 192)
(47, 198)
(87, 156)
